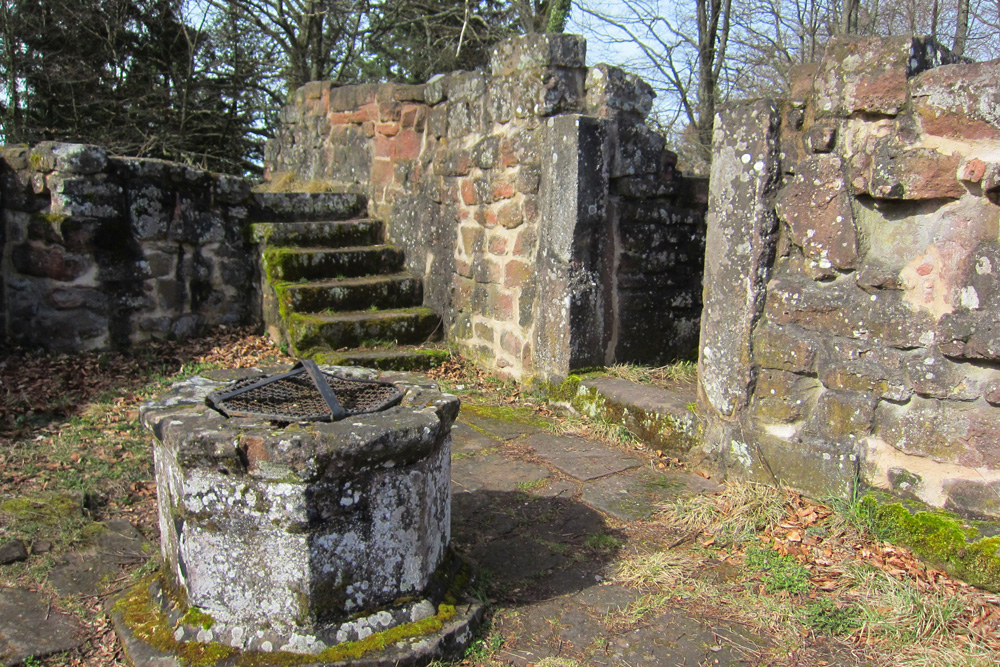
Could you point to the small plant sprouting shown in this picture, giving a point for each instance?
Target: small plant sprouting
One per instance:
(602, 542)
(825, 616)
(779, 573)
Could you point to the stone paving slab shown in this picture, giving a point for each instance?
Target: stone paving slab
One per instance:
(581, 458)
(635, 494)
(501, 429)
(30, 627)
(583, 627)
(494, 471)
(87, 572)
(466, 440)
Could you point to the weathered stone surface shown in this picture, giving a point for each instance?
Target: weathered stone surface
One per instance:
(781, 397)
(933, 375)
(539, 50)
(32, 628)
(580, 458)
(12, 551)
(959, 433)
(869, 372)
(661, 418)
(914, 173)
(611, 90)
(571, 331)
(871, 363)
(89, 569)
(841, 414)
(638, 493)
(961, 101)
(863, 74)
(740, 244)
(785, 348)
(816, 207)
(840, 309)
(819, 467)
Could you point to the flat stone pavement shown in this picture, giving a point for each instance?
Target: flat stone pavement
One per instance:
(545, 517)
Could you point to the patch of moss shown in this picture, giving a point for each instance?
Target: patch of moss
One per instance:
(379, 640)
(47, 508)
(195, 616)
(53, 219)
(507, 413)
(90, 532)
(150, 624)
(940, 538)
(563, 392)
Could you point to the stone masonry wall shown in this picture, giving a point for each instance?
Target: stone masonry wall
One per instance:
(107, 252)
(548, 223)
(851, 327)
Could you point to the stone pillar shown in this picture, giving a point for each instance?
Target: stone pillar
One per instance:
(739, 251)
(574, 269)
(740, 244)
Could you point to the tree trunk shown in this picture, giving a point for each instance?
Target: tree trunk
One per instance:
(961, 28)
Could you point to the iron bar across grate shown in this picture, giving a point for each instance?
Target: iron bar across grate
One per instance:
(305, 393)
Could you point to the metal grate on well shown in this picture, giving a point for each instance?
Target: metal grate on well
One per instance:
(305, 393)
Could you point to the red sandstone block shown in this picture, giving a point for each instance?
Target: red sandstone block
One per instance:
(510, 215)
(973, 170)
(511, 344)
(382, 172)
(489, 219)
(508, 158)
(472, 239)
(530, 207)
(463, 268)
(527, 360)
(389, 112)
(503, 190)
(469, 192)
(515, 273)
(491, 271)
(413, 116)
(498, 245)
(388, 129)
(340, 118)
(407, 145)
(504, 307)
(525, 243)
(383, 146)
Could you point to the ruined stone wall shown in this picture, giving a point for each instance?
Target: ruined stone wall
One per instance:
(850, 328)
(548, 223)
(102, 252)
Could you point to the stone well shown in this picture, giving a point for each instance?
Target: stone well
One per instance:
(299, 537)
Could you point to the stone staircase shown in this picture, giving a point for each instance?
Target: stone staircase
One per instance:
(334, 291)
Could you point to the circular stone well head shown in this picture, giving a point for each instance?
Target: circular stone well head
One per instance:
(300, 536)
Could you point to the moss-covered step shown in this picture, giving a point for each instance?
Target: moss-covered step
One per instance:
(311, 333)
(397, 358)
(293, 264)
(396, 290)
(280, 206)
(330, 234)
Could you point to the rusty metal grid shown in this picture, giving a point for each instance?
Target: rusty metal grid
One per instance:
(296, 398)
